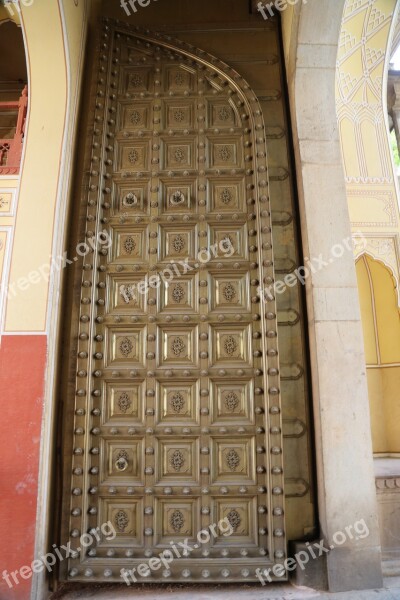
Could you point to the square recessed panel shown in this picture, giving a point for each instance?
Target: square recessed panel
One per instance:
(177, 242)
(230, 292)
(135, 115)
(241, 514)
(225, 152)
(122, 461)
(132, 156)
(175, 519)
(130, 199)
(178, 196)
(178, 114)
(230, 240)
(231, 345)
(178, 402)
(177, 461)
(129, 244)
(180, 295)
(7, 202)
(126, 518)
(232, 402)
(222, 114)
(233, 461)
(179, 153)
(179, 79)
(136, 80)
(227, 195)
(177, 346)
(123, 403)
(125, 347)
(124, 294)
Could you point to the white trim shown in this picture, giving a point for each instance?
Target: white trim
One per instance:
(15, 333)
(5, 272)
(39, 589)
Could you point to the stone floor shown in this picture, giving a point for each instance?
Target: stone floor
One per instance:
(391, 591)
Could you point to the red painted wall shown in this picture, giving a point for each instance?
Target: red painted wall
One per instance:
(22, 369)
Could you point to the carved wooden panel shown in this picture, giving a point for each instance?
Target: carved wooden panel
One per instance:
(177, 399)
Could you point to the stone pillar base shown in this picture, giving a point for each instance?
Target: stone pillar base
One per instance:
(314, 575)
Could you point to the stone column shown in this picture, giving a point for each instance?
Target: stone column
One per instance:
(345, 477)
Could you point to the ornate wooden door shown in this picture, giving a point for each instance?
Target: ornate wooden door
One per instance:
(177, 418)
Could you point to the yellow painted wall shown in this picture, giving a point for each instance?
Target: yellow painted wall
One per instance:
(373, 202)
(381, 324)
(54, 65)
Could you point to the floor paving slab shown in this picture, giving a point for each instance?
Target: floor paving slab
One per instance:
(391, 591)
